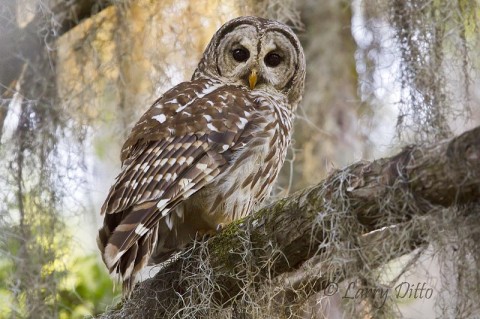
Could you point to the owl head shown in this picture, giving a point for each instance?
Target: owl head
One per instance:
(258, 53)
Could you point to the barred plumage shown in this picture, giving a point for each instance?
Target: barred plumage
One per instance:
(208, 151)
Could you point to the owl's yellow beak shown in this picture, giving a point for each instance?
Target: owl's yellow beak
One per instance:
(252, 79)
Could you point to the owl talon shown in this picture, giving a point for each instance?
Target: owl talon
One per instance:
(203, 235)
(220, 227)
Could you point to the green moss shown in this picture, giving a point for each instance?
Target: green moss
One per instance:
(221, 245)
(233, 235)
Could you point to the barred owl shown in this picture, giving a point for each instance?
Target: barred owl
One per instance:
(208, 151)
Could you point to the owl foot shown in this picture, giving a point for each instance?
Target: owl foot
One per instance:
(204, 234)
(220, 227)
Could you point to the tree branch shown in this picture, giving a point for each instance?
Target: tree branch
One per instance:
(345, 207)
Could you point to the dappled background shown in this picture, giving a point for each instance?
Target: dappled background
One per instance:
(76, 75)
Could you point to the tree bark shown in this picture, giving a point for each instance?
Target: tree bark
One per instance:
(20, 47)
(345, 208)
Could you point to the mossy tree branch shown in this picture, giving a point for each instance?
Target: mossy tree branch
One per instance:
(344, 208)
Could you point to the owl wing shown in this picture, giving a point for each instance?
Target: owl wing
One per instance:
(179, 145)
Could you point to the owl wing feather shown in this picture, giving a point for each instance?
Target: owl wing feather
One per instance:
(179, 145)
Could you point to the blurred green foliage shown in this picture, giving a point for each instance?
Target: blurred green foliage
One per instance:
(86, 290)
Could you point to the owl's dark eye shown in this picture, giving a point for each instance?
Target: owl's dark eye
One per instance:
(273, 59)
(240, 55)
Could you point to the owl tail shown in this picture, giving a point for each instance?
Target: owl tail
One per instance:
(125, 255)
